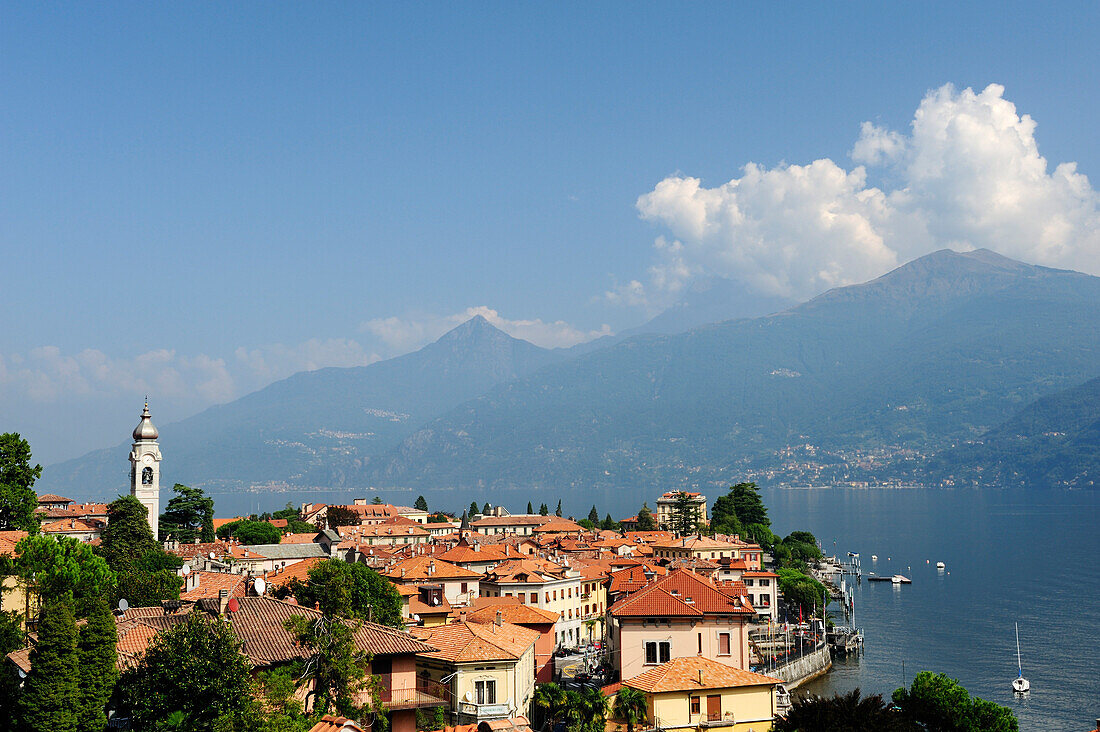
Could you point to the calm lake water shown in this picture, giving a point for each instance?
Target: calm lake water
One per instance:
(1011, 556)
(1031, 558)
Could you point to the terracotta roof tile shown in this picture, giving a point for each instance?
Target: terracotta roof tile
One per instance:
(683, 674)
(466, 642)
(427, 568)
(692, 595)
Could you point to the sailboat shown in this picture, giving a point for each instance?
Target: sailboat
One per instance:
(1020, 685)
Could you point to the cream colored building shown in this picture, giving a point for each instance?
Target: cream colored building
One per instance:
(666, 508)
(697, 693)
(488, 668)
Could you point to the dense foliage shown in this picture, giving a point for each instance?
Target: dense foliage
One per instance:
(340, 516)
(63, 569)
(348, 590)
(646, 522)
(188, 516)
(51, 694)
(17, 497)
(631, 707)
(844, 712)
(97, 673)
(194, 673)
(938, 702)
(252, 532)
(146, 574)
(335, 666)
(577, 711)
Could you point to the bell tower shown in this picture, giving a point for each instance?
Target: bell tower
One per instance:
(145, 469)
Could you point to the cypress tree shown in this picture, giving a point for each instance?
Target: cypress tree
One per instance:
(96, 654)
(594, 515)
(543, 510)
(473, 508)
(51, 696)
(530, 508)
(558, 512)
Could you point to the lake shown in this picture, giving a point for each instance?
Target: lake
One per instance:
(1010, 557)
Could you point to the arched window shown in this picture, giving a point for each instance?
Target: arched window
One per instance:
(147, 476)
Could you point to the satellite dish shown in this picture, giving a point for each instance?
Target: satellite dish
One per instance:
(211, 555)
(186, 570)
(233, 605)
(259, 585)
(469, 696)
(124, 604)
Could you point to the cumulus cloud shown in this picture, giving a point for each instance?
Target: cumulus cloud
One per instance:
(405, 333)
(968, 174)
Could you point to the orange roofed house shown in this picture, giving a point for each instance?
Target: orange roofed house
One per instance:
(680, 615)
(489, 668)
(698, 693)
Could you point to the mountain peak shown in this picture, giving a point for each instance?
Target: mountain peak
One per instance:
(476, 327)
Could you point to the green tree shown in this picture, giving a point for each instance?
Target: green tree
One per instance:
(530, 508)
(63, 569)
(544, 510)
(348, 590)
(256, 532)
(486, 509)
(194, 671)
(420, 504)
(12, 638)
(723, 516)
(282, 708)
(938, 702)
(341, 516)
(748, 504)
(17, 497)
(800, 591)
(685, 515)
(473, 508)
(97, 671)
(51, 695)
(376, 501)
(849, 711)
(127, 535)
(594, 515)
(188, 516)
(610, 524)
(335, 665)
(646, 522)
(557, 512)
(630, 707)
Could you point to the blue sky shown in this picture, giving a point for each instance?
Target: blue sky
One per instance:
(197, 199)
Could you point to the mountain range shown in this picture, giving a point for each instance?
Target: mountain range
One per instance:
(897, 379)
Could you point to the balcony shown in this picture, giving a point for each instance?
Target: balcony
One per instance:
(479, 712)
(408, 696)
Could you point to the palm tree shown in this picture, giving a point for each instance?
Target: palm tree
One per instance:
(849, 711)
(630, 706)
(550, 699)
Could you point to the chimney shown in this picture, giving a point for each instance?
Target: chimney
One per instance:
(700, 677)
(223, 601)
(500, 618)
(72, 523)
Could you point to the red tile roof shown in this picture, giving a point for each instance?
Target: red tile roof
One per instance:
(330, 723)
(421, 568)
(682, 593)
(684, 674)
(466, 642)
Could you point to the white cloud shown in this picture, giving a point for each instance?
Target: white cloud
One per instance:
(968, 175)
(402, 334)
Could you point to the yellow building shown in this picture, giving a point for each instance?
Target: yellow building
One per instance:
(488, 668)
(697, 692)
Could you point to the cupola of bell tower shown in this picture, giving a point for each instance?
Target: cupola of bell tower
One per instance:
(145, 469)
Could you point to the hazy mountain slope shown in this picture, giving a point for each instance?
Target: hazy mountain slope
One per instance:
(1052, 443)
(712, 300)
(939, 349)
(313, 427)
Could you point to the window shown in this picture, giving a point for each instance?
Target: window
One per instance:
(765, 601)
(694, 705)
(657, 652)
(700, 644)
(723, 644)
(555, 594)
(748, 582)
(486, 691)
(534, 598)
(547, 597)
(765, 583)
(464, 587)
(523, 598)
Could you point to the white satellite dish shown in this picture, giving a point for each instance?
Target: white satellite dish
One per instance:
(186, 570)
(469, 696)
(124, 604)
(211, 555)
(259, 585)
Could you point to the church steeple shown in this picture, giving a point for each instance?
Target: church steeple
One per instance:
(145, 469)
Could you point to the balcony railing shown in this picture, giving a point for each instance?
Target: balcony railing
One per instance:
(406, 696)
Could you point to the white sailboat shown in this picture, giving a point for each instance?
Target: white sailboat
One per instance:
(1020, 685)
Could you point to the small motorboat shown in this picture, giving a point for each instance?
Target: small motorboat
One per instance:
(1020, 685)
(941, 565)
(874, 557)
(900, 579)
